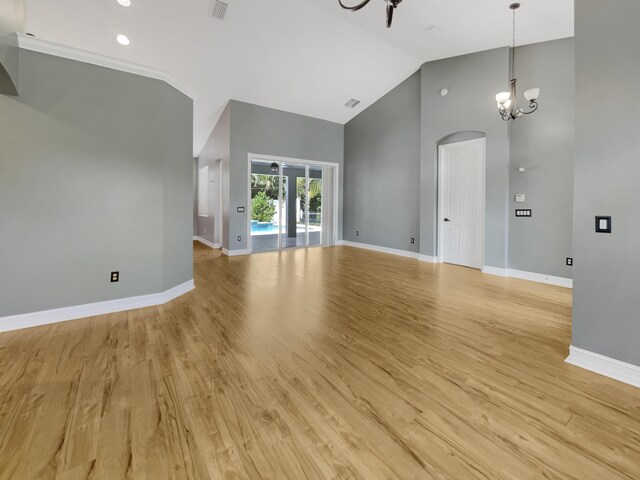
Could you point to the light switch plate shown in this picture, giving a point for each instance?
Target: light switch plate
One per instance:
(520, 198)
(240, 209)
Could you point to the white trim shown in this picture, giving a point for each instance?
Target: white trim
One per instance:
(542, 278)
(391, 251)
(206, 242)
(46, 317)
(234, 253)
(531, 276)
(500, 272)
(51, 48)
(481, 194)
(609, 367)
(429, 259)
(274, 158)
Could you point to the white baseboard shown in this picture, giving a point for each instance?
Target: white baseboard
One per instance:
(46, 317)
(500, 272)
(234, 253)
(206, 242)
(542, 278)
(609, 367)
(392, 251)
(429, 259)
(534, 277)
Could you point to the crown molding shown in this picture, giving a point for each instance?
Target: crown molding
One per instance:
(34, 44)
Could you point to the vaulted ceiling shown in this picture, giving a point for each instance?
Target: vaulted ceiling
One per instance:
(302, 56)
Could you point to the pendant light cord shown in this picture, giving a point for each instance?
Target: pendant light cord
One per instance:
(513, 48)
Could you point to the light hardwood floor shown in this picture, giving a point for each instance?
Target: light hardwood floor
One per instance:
(332, 363)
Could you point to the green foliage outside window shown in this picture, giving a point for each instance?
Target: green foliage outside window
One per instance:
(262, 208)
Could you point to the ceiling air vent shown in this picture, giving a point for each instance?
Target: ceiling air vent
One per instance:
(218, 9)
(353, 103)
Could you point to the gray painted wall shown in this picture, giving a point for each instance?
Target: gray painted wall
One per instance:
(95, 176)
(607, 169)
(543, 143)
(195, 196)
(473, 81)
(267, 131)
(382, 184)
(216, 150)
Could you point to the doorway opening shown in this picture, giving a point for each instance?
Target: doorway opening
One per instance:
(461, 202)
(291, 203)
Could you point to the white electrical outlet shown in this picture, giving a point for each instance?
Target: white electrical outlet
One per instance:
(520, 198)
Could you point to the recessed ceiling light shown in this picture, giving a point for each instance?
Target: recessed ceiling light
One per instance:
(123, 39)
(125, 3)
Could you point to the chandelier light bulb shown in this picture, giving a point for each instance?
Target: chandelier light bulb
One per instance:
(532, 94)
(502, 98)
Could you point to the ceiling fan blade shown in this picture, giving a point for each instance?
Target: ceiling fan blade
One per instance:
(390, 9)
(355, 8)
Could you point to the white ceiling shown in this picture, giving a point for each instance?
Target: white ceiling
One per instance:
(302, 56)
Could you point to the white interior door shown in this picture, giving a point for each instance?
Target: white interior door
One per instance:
(461, 213)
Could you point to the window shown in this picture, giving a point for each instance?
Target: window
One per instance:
(203, 192)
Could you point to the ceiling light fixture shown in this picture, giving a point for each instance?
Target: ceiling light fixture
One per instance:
(123, 39)
(508, 101)
(125, 3)
(391, 6)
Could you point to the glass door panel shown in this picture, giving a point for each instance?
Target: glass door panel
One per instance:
(265, 206)
(294, 234)
(315, 205)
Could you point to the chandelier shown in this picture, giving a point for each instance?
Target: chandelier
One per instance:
(391, 6)
(508, 101)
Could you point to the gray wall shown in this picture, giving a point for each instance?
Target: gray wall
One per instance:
(382, 185)
(607, 169)
(95, 176)
(473, 81)
(543, 143)
(9, 59)
(195, 196)
(266, 131)
(410, 122)
(216, 150)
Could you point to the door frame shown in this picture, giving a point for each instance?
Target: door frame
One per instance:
(300, 161)
(483, 172)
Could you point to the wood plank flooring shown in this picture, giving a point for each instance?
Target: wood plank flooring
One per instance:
(331, 363)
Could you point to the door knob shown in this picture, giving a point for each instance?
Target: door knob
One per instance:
(447, 220)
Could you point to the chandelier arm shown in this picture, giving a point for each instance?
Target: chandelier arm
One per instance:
(533, 106)
(354, 8)
(390, 8)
